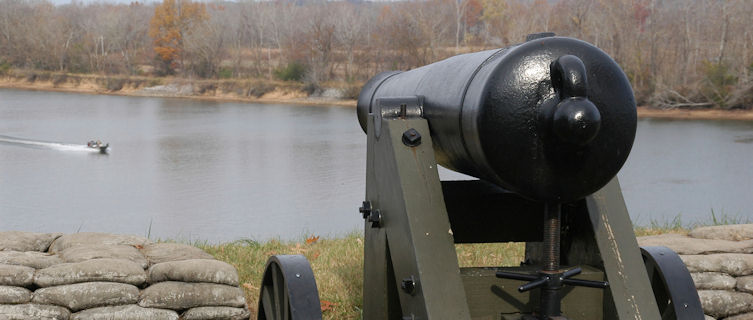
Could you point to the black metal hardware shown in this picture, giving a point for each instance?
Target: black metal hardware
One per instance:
(365, 209)
(411, 138)
(409, 285)
(375, 217)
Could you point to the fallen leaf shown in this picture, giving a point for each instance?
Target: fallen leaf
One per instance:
(328, 305)
(312, 239)
(250, 287)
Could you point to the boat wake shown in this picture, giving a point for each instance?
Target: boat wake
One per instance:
(46, 144)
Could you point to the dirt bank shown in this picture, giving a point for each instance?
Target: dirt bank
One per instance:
(252, 91)
(701, 114)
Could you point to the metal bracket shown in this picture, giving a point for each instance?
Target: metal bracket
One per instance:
(409, 107)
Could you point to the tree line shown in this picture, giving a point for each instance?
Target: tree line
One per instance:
(677, 53)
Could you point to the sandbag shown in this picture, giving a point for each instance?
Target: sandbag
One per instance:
(181, 295)
(745, 284)
(107, 270)
(164, 252)
(19, 276)
(713, 281)
(194, 270)
(14, 295)
(130, 312)
(33, 259)
(99, 251)
(721, 304)
(685, 245)
(87, 295)
(30, 311)
(735, 264)
(88, 238)
(734, 232)
(214, 313)
(746, 316)
(26, 241)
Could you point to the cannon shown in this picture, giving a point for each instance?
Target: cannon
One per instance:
(544, 126)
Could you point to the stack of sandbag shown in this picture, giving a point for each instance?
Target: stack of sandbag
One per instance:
(92, 276)
(720, 260)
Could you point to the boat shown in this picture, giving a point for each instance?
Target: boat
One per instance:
(102, 147)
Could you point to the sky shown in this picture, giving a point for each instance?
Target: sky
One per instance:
(59, 2)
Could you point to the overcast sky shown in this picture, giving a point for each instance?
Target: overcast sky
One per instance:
(58, 2)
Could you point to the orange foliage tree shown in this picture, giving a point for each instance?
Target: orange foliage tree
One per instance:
(172, 21)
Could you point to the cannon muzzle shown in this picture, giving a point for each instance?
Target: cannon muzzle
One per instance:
(552, 119)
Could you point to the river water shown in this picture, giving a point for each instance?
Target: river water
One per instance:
(220, 171)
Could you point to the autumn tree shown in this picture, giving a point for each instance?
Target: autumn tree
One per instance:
(174, 20)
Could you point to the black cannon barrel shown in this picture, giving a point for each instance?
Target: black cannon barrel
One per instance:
(552, 119)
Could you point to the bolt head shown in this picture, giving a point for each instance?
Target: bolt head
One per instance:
(411, 138)
(375, 217)
(409, 285)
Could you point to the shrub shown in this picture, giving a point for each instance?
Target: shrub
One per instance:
(294, 71)
(312, 89)
(207, 87)
(225, 73)
(351, 91)
(58, 79)
(154, 82)
(259, 89)
(4, 67)
(115, 84)
(719, 82)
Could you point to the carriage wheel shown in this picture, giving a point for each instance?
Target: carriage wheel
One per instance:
(288, 290)
(673, 287)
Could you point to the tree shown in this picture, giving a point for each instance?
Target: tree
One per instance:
(173, 20)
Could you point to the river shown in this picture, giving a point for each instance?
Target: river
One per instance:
(193, 170)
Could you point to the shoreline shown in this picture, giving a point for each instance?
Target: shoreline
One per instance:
(280, 95)
(701, 114)
(284, 96)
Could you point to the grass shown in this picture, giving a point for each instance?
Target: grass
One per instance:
(677, 225)
(338, 263)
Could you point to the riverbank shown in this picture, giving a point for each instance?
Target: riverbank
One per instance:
(227, 90)
(693, 114)
(260, 91)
